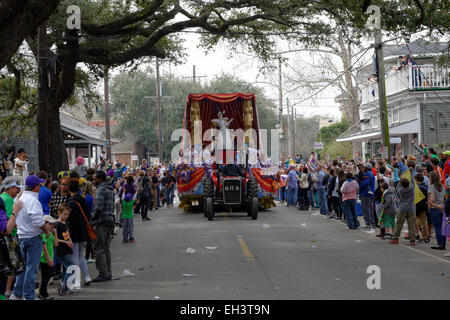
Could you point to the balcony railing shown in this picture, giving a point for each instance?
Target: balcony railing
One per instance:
(413, 77)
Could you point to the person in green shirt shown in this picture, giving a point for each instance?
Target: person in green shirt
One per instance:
(127, 215)
(47, 258)
(11, 188)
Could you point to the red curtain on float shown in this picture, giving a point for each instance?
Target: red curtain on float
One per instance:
(231, 106)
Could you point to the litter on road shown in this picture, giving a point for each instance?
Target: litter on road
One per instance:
(188, 275)
(211, 248)
(265, 226)
(190, 250)
(126, 273)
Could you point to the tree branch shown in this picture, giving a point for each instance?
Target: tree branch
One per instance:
(116, 26)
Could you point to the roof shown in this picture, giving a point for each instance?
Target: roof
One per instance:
(417, 47)
(126, 145)
(81, 129)
(100, 123)
(221, 97)
(406, 127)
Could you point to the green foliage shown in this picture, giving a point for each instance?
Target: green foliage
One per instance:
(138, 115)
(335, 149)
(329, 135)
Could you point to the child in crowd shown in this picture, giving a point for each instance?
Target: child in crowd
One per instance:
(422, 209)
(64, 248)
(389, 210)
(47, 258)
(406, 211)
(127, 215)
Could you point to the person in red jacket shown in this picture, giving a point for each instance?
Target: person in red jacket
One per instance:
(447, 165)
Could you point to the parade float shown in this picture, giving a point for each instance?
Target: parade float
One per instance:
(199, 170)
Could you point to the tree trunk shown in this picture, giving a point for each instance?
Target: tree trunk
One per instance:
(57, 154)
(62, 84)
(42, 115)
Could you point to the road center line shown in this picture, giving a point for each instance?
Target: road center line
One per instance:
(245, 249)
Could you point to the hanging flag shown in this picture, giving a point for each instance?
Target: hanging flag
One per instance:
(418, 195)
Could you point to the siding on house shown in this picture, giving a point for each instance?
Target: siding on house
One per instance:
(435, 124)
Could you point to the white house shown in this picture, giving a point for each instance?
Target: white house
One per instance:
(418, 99)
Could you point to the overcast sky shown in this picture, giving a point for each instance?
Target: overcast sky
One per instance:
(216, 62)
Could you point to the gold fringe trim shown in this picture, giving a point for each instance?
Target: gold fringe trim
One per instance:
(266, 202)
(186, 203)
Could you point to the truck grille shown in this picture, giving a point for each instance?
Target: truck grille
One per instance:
(232, 191)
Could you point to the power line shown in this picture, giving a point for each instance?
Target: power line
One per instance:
(331, 82)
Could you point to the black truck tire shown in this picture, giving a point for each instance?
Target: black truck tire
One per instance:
(254, 208)
(252, 188)
(209, 208)
(208, 192)
(208, 188)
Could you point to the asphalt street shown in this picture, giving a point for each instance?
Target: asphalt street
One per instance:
(284, 254)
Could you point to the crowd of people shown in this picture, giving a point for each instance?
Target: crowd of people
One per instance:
(71, 220)
(386, 194)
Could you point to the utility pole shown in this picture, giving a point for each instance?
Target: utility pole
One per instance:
(289, 127)
(295, 130)
(374, 22)
(107, 121)
(158, 98)
(280, 105)
(158, 103)
(384, 124)
(42, 116)
(194, 75)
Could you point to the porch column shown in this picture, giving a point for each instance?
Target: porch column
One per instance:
(89, 155)
(363, 151)
(73, 156)
(96, 155)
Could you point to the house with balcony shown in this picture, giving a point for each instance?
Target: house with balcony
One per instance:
(418, 99)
